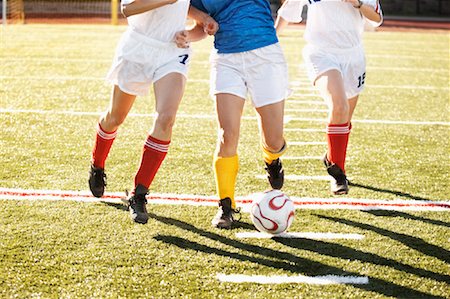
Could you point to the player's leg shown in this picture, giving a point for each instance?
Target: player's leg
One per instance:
(270, 119)
(331, 87)
(109, 122)
(352, 105)
(267, 81)
(226, 164)
(168, 94)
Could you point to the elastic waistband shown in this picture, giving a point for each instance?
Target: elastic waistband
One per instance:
(148, 40)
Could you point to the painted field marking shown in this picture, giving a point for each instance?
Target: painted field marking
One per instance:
(107, 61)
(308, 88)
(207, 116)
(300, 235)
(305, 130)
(295, 177)
(375, 121)
(314, 95)
(279, 279)
(305, 110)
(307, 102)
(391, 86)
(243, 201)
(302, 157)
(301, 143)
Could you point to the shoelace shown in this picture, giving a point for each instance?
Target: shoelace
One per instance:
(237, 211)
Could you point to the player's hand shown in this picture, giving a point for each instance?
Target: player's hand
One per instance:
(210, 26)
(181, 39)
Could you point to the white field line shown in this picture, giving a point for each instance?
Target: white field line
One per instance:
(375, 121)
(309, 95)
(279, 279)
(295, 177)
(207, 116)
(306, 110)
(88, 78)
(305, 130)
(74, 78)
(408, 69)
(300, 235)
(409, 87)
(301, 143)
(388, 56)
(306, 102)
(242, 201)
(303, 157)
(63, 60)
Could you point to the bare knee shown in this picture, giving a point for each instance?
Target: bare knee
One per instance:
(165, 121)
(228, 141)
(273, 143)
(111, 122)
(339, 113)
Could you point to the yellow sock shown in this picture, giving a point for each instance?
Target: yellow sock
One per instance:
(225, 172)
(269, 156)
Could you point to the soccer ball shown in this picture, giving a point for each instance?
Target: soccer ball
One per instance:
(272, 212)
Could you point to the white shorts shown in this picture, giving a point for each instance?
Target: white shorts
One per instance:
(139, 61)
(262, 73)
(351, 63)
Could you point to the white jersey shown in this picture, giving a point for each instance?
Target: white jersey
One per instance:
(160, 23)
(330, 23)
(147, 51)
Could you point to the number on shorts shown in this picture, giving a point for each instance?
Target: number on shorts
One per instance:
(183, 57)
(361, 80)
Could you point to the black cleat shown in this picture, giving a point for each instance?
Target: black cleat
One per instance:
(224, 217)
(137, 205)
(339, 182)
(97, 181)
(275, 173)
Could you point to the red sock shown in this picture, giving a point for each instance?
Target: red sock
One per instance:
(337, 137)
(103, 143)
(154, 153)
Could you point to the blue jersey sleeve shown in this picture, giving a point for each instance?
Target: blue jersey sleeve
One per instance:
(199, 5)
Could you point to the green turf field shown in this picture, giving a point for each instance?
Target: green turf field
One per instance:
(52, 92)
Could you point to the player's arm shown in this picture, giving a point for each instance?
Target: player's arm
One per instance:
(289, 12)
(210, 26)
(134, 7)
(280, 24)
(368, 11)
(204, 25)
(185, 37)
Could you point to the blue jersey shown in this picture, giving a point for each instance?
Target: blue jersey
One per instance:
(244, 25)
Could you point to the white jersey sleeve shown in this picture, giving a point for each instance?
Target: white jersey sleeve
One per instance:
(375, 4)
(291, 10)
(126, 1)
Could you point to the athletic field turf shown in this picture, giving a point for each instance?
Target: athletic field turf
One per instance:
(52, 92)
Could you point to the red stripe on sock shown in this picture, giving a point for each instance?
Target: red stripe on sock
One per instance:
(153, 155)
(102, 146)
(337, 138)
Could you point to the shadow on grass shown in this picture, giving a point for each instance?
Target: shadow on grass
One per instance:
(409, 241)
(394, 192)
(118, 206)
(277, 259)
(385, 213)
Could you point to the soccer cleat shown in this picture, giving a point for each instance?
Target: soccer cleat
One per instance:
(224, 217)
(338, 182)
(137, 205)
(275, 173)
(97, 181)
